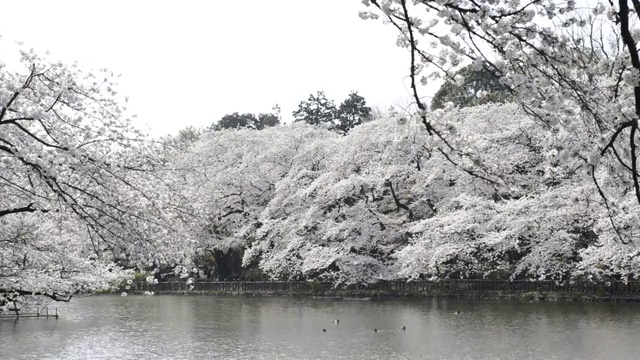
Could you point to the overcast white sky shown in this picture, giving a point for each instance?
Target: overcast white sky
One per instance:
(191, 62)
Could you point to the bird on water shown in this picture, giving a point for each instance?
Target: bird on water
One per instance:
(324, 330)
(336, 321)
(403, 328)
(375, 330)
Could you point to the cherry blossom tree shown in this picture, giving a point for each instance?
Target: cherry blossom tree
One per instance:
(50, 255)
(232, 175)
(572, 67)
(81, 191)
(384, 203)
(537, 227)
(333, 216)
(361, 211)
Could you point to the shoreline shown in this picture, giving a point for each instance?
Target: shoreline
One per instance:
(342, 295)
(527, 297)
(519, 290)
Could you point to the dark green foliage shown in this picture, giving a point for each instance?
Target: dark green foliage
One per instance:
(248, 121)
(318, 110)
(267, 120)
(236, 121)
(353, 112)
(466, 94)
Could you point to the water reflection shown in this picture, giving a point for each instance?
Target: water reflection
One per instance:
(184, 327)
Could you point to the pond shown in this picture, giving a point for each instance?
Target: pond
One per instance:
(202, 327)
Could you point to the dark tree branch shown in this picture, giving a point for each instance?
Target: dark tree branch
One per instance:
(634, 160)
(29, 208)
(628, 40)
(53, 296)
(31, 135)
(606, 204)
(399, 205)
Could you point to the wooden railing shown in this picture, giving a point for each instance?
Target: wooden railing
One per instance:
(617, 288)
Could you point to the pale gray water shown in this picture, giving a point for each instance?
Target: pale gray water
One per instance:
(185, 327)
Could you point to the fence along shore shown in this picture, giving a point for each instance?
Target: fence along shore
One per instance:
(461, 288)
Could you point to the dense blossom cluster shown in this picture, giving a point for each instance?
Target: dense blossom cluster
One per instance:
(381, 203)
(547, 187)
(573, 67)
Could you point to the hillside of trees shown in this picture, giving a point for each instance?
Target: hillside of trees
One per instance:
(544, 186)
(301, 202)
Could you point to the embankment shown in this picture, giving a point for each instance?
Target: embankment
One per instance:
(621, 291)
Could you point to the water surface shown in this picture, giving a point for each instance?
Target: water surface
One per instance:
(190, 327)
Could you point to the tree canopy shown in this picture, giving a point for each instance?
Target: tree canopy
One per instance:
(382, 203)
(320, 111)
(570, 67)
(249, 121)
(82, 194)
(546, 187)
(471, 86)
